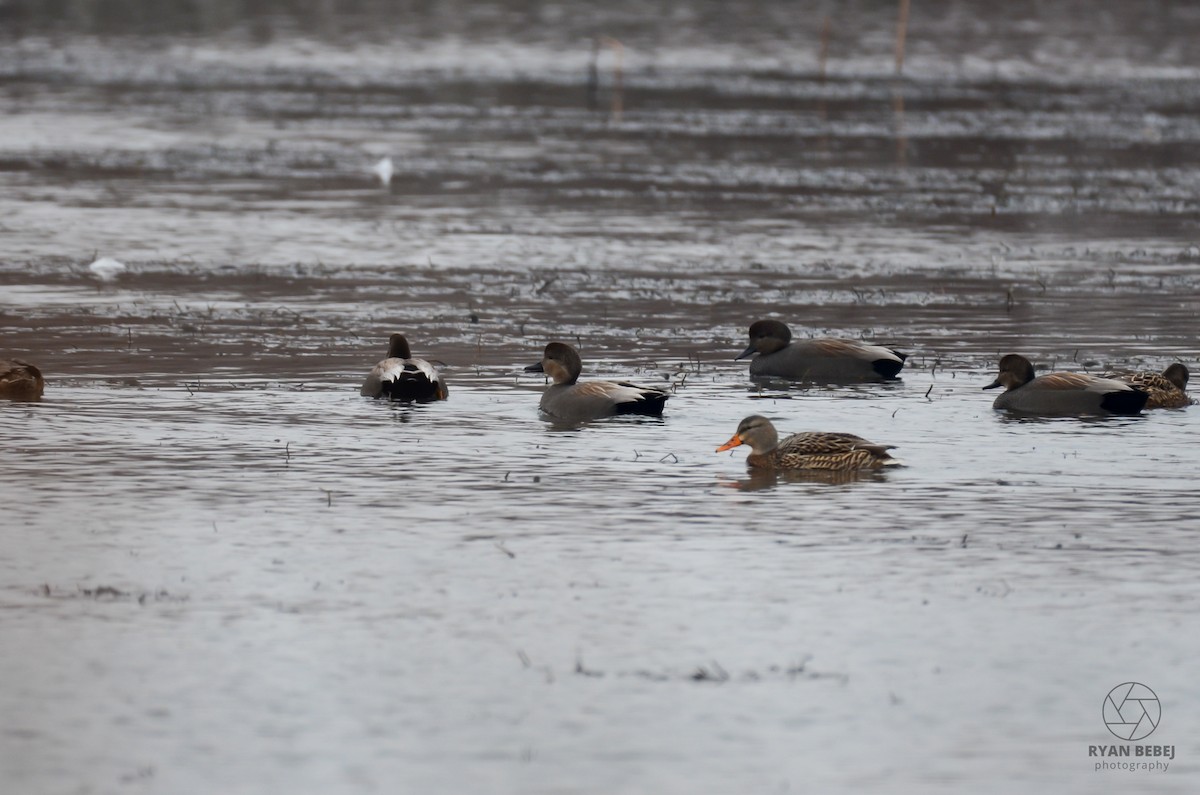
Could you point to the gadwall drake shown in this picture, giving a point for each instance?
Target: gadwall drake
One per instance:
(819, 359)
(566, 399)
(1062, 393)
(841, 452)
(1167, 390)
(20, 380)
(401, 377)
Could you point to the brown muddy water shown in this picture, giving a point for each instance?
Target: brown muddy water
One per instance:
(223, 571)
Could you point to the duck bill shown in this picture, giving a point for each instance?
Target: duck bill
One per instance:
(736, 441)
(994, 384)
(746, 354)
(535, 368)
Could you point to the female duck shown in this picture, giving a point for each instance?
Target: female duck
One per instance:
(817, 360)
(566, 399)
(401, 377)
(1062, 393)
(1167, 390)
(841, 452)
(20, 380)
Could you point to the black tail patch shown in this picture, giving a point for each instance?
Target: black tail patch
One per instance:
(888, 368)
(651, 405)
(411, 388)
(1125, 402)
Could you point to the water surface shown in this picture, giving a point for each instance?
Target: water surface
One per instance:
(222, 570)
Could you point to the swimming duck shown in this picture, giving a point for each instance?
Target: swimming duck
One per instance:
(1062, 393)
(841, 452)
(20, 380)
(1167, 390)
(401, 377)
(819, 359)
(566, 399)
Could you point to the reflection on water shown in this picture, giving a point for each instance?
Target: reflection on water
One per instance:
(1069, 424)
(221, 570)
(759, 479)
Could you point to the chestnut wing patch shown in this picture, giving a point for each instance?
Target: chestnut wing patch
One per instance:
(1065, 381)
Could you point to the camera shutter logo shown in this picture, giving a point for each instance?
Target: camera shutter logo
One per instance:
(1132, 711)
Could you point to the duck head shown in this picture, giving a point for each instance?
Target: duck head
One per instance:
(766, 336)
(398, 347)
(559, 361)
(1177, 374)
(1015, 371)
(756, 431)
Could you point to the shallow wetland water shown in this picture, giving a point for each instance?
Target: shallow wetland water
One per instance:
(221, 570)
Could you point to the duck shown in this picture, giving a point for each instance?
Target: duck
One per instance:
(825, 359)
(839, 452)
(401, 377)
(1167, 390)
(1062, 393)
(20, 380)
(567, 399)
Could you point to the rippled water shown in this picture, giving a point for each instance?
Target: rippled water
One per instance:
(223, 571)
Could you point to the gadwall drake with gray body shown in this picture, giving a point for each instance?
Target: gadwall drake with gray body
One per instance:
(1167, 390)
(401, 377)
(841, 452)
(819, 359)
(1062, 393)
(20, 380)
(566, 399)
